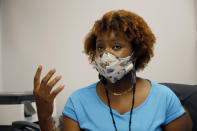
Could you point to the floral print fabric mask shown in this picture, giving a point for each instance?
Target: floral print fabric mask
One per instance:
(113, 68)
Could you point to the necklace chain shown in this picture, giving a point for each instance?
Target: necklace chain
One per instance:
(122, 93)
(107, 94)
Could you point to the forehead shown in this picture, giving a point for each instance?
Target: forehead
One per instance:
(112, 36)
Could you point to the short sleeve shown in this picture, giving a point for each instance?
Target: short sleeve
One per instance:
(174, 109)
(69, 110)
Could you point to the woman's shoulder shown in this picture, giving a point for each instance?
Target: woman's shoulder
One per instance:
(160, 89)
(163, 94)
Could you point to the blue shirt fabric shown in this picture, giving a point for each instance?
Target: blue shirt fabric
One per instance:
(159, 108)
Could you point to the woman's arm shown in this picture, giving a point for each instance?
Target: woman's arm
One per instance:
(183, 123)
(44, 98)
(48, 125)
(188, 119)
(70, 125)
(177, 125)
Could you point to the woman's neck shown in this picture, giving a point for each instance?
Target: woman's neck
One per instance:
(122, 85)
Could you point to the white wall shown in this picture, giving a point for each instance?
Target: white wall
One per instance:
(1, 79)
(195, 1)
(176, 51)
(51, 33)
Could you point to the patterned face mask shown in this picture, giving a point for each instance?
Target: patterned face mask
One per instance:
(113, 68)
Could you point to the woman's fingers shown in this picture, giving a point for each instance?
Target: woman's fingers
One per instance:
(56, 91)
(37, 78)
(46, 85)
(46, 78)
(53, 82)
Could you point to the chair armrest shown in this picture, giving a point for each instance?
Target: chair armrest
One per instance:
(24, 125)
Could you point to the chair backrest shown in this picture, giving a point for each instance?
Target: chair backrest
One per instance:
(188, 97)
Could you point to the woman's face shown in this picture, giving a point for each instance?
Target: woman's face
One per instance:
(115, 44)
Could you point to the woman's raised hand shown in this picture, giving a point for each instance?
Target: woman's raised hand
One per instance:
(43, 93)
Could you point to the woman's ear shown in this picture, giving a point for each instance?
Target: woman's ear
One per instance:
(134, 59)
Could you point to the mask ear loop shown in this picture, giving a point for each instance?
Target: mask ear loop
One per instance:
(133, 74)
(102, 79)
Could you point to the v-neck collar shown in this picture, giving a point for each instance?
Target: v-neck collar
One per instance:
(126, 113)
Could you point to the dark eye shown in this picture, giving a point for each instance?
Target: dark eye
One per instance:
(117, 47)
(100, 48)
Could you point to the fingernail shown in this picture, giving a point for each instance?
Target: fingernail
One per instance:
(39, 66)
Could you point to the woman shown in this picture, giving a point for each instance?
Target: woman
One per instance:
(118, 45)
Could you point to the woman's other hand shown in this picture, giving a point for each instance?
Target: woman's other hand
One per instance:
(43, 93)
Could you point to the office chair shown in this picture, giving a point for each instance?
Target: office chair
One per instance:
(25, 126)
